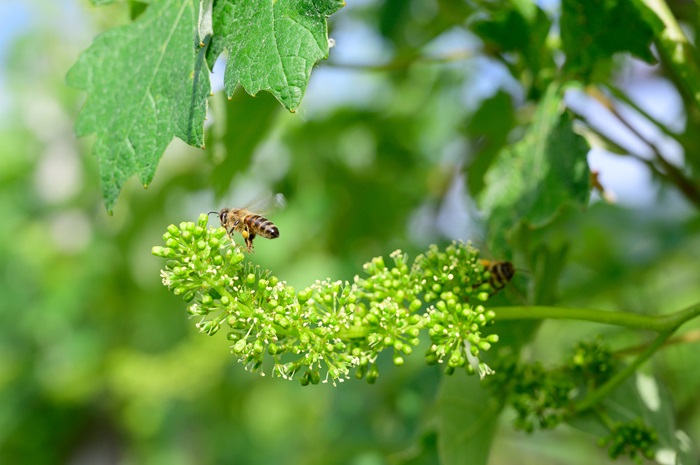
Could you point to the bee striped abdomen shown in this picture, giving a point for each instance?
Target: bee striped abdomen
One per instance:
(501, 272)
(262, 226)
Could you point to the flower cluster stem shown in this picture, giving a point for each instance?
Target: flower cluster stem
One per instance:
(664, 325)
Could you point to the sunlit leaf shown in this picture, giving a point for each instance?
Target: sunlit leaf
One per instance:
(272, 46)
(146, 83)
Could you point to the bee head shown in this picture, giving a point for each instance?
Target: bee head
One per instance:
(222, 215)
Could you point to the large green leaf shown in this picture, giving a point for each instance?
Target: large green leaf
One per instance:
(468, 412)
(147, 82)
(488, 127)
(273, 45)
(531, 180)
(467, 421)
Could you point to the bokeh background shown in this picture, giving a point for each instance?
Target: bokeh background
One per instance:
(99, 363)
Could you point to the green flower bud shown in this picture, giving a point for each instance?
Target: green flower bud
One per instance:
(202, 220)
(236, 258)
(415, 306)
(173, 230)
(239, 346)
(189, 295)
(372, 374)
(315, 377)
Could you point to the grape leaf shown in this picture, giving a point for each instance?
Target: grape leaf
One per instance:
(147, 82)
(531, 180)
(592, 31)
(272, 46)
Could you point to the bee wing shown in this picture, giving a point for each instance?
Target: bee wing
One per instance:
(267, 204)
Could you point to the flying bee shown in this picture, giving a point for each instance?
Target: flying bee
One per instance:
(250, 224)
(501, 272)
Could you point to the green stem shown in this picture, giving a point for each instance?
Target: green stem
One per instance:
(406, 62)
(620, 95)
(628, 320)
(675, 48)
(657, 323)
(665, 325)
(595, 396)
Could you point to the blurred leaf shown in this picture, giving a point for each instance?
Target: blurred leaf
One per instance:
(488, 127)
(272, 46)
(467, 422)
(532, 179)
(468, 412)
(593, 31)
(520, 27)
(642, 397)
(136, 110)
(248, 121)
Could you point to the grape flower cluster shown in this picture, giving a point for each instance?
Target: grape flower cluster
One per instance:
(323, 332)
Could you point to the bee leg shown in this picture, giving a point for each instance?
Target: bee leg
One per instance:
(249, 242)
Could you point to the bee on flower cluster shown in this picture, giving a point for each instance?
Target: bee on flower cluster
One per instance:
(501, 272)
(250, 224)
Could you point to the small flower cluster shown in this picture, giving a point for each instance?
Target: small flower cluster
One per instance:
(542, 398)
(324, 331)
(592, 361)
(633, 439)
(451, 280)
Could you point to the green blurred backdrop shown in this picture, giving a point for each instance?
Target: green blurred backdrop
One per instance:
(99, 363)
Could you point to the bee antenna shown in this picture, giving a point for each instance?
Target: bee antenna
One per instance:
(216, 213)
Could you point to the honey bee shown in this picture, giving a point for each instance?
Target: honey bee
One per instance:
(501, 272)
(250, 224)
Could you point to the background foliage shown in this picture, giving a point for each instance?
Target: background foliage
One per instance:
(408, 135)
